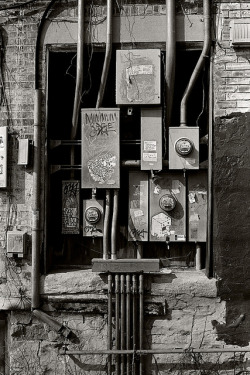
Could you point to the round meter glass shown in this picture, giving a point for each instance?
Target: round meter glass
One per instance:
(92, 215)
(184, 146)
(167, 202)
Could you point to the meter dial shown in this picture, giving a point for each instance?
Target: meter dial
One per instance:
(167, 202)
(183, 146)
(92, 215)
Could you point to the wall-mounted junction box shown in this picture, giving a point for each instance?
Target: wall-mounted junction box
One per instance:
(197, 206)
(93, 218)
(138, 76)
(138, 206)
(100, 148)
(16, 243)
(3, 156)
(167, 207)
(151, 139)
(23, 151)
(184, 147)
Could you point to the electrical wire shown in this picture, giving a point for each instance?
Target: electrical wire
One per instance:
(14, 6)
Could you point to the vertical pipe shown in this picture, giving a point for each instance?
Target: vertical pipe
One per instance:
(106, 225)
(114, 225)
(122, 321)
(128, 321)
(141, 319)
(135, 320)
(170, 58)
(117, 323)
(139, 251)
(35, 294)
(200, 63)
(107, 58)
(109, 330)
(210, 175)
(79, 68)
(198, 257)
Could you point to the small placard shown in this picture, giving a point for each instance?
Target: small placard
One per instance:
(70, 207)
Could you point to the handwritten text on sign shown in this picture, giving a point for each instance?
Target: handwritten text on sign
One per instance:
(100, 148)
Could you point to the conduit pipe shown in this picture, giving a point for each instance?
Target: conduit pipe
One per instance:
(128, 320)
(141, 319)
(122, 322)
(200, 64)
(117, 321)
(79, 69)
(170, 58)
(109, 332)
(99, 101)
(114, 225)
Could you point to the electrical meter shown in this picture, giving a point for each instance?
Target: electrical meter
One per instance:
(184, 147)
(167, 202)
(93, 218)
(92, 215)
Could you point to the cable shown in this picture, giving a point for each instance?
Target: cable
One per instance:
(18, 5)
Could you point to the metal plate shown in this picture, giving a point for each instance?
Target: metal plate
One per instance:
(71, 207)
(100, 148)
(138, 77)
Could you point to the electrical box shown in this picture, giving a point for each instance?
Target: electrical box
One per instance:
(93, 218)
(71, 207)
(151, 139)
(138, 206)
(100, 148)
(168, 207)
(197, 206)
(138, 76)
(16, 243)
(184, 147)
(3, 156)
(23, 151)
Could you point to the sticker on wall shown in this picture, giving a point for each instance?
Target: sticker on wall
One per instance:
(3, 156)
(70, 207)
(100, 148)
(160, 225)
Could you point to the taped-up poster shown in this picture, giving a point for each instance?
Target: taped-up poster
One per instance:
(70, 207)
(100, 148)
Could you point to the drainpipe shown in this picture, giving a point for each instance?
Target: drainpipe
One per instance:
(99, 101)
(170, 59)
(79, 69)
(36, 221)
(200, 64)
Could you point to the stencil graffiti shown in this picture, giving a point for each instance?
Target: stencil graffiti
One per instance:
(70, 207)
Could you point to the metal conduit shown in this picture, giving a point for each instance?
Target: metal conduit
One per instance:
(200, 64)
(114, 225)
(126, 289)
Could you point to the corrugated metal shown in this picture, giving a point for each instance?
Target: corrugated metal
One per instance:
(241, 33)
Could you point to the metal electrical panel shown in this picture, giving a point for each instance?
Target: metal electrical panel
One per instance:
(16, 243)
(3, 156)
(138, 206)
(93, 218)
(71, 207)
(197, 206)
(151, 139)
(168, 207)
(184, 147)
(138, 76)
(100, 148)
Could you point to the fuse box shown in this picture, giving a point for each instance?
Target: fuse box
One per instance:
(138, 76)
(168, 207)
(16, 243)
(138, 206)
(93, 218)
(151, 139)
(197, 206)
(184, 147)
(100, 148)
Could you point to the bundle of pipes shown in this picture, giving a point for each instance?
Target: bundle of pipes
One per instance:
(126, 293)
